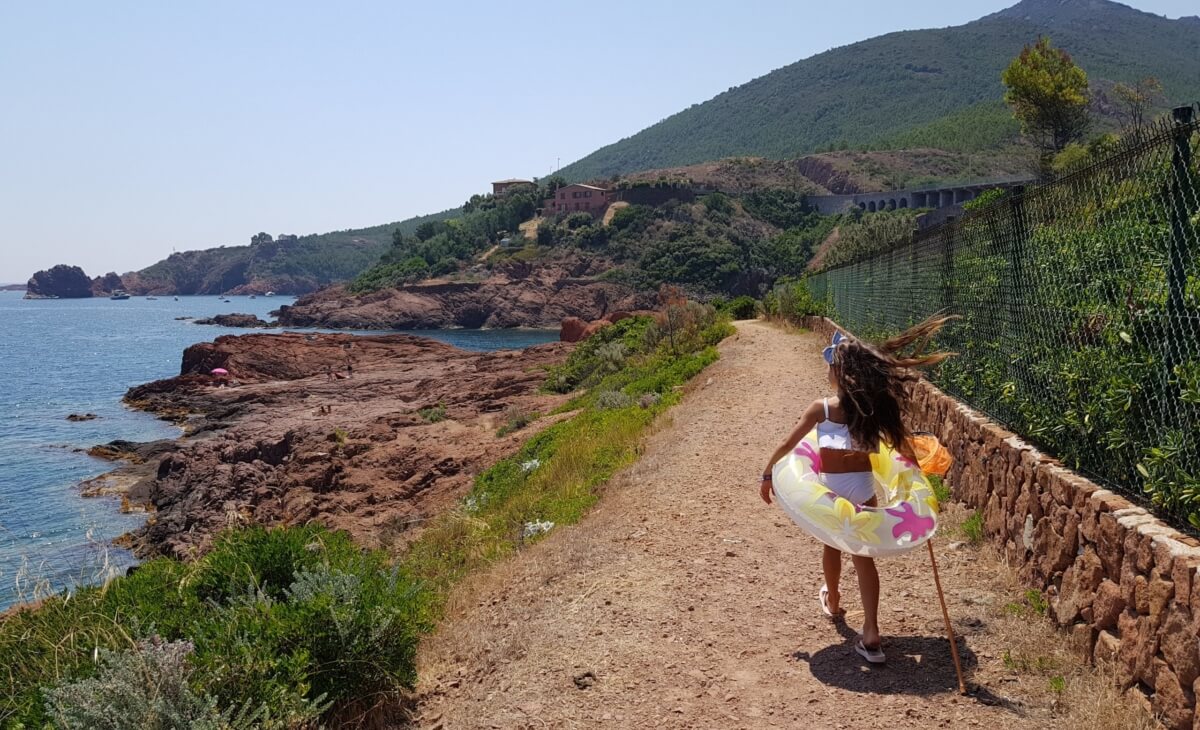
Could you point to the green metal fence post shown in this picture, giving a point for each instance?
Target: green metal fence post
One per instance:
(1181, 183)
(1016, 206)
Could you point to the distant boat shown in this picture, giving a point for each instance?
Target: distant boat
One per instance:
(253, 297)
(269, 294)
(176, 298)
(119, 294)
(152, 299)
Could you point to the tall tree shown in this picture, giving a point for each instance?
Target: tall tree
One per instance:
(1137, 99)
(1048, 94)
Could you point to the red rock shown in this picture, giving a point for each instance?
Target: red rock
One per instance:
(571, 329)
(1106, 649)
(1107, 605)
(1177, 638)
(1110, 544)
(290, 445)
(1079, 585)
(1172, 703)
(1081, 641)
(1159, 593)
(1139, 644)
(527, 296)
(594, 327)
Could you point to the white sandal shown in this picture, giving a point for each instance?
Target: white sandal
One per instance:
(823, 597)
(873, 656)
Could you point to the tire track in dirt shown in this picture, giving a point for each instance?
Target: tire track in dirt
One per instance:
(682, 601)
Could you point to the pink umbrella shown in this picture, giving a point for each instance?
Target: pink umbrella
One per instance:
(220, 371)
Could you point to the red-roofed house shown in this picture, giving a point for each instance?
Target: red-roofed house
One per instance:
(578, 199)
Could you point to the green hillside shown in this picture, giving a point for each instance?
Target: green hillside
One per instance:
(937, 87)
(287, 265)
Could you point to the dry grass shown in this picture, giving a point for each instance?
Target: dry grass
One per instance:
(1023, 655)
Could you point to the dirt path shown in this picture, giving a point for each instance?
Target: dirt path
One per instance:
(682, 601)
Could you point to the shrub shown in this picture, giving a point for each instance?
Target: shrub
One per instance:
(136, 689)
(649, 400)
(744, 307)
(516, 419)
(612, 400)
(284, 622)
(792, 300)
(433, 414)
(596, 356)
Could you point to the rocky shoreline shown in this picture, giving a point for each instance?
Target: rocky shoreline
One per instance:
(515, 295)
(371, 434)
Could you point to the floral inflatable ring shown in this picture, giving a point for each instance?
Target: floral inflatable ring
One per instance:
(907, 519)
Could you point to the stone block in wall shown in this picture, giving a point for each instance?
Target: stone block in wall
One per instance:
(1159, 592)
(1106, 649)
(1079, 584)
(1139, 645)
(1173, 704)
(994, 517)
(1107, 605)
(1055, 550)
(1178, 643)
(1111, 545)
(1081, 640)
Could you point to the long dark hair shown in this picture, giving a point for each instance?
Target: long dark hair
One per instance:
(872, 382)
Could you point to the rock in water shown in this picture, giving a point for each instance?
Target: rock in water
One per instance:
(62, 281)
(235, 320)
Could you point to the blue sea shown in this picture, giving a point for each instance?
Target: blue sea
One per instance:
(65, 356)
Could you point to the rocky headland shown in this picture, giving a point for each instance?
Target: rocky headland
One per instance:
(515, 295)
(59, 282)
(371, 434)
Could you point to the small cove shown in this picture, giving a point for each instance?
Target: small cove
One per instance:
(59, 357)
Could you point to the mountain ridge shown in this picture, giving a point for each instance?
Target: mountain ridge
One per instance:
(881, 87)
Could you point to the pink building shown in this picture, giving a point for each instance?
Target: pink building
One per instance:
(578, 199)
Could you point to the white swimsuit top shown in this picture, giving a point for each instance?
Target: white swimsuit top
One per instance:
(858, 486)
(831, 435)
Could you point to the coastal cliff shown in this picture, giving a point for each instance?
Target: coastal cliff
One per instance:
(59, 282)
(370, 434)
(518, 295)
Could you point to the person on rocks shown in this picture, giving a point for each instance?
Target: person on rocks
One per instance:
(871, 383)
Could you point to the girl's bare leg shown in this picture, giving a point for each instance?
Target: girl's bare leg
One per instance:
(868, 586)
(831, 563)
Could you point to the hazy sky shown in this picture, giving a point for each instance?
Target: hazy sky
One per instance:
(128, 129)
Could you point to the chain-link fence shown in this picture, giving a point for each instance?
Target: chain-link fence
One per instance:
(1080, 305)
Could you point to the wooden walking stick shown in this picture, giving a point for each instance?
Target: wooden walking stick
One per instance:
(962, 686)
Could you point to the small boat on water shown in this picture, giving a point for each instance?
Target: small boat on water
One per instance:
(119, 294)
(176, 298)
(269, 294)
(152, 299)
(253, 297)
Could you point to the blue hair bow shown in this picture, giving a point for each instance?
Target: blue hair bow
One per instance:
(827, 353)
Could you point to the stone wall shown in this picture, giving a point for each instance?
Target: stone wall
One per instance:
(1121, 583)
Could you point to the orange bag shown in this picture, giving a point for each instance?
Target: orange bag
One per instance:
(933, 458)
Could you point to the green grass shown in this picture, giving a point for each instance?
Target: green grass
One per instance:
(941, 490)
(972, 527)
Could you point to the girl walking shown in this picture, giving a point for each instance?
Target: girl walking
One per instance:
(871, 382)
